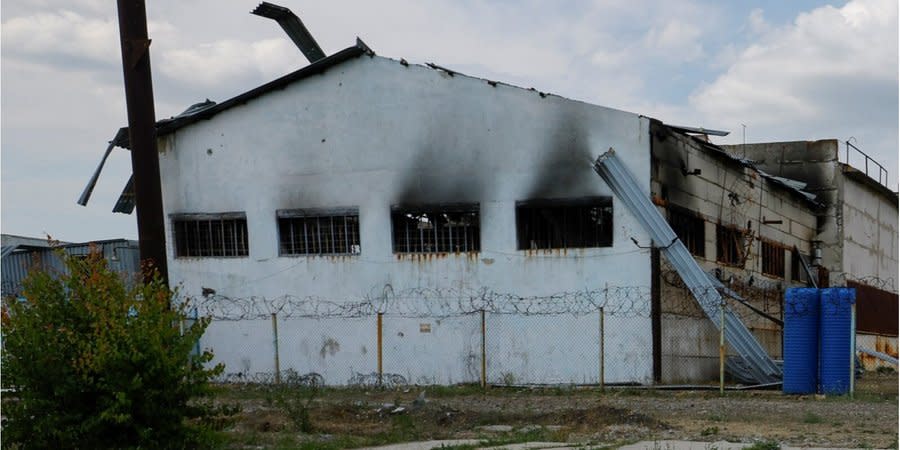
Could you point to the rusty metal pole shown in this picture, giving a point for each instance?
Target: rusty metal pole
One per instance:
(380, 349)
(142, 135)
(483, 351)
(722, 348)
(602, 353)
(275, 347)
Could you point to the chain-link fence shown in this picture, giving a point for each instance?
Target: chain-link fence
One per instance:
(608, 336)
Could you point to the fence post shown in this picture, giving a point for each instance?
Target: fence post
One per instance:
(275, 345)
(483, 352)
(722, 347)
(380, 355)
(602, 351)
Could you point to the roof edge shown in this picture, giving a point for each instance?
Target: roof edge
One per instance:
(169, 126)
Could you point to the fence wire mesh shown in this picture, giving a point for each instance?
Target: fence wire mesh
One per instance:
(451, 336)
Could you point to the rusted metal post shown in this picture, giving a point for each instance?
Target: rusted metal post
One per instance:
(483, 352)
(380, 354)
(275, 346)
(656, 313)
(135, 46)
(602, 354)
(722, 348)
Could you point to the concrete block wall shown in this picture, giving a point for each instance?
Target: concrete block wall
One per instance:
(729, 193)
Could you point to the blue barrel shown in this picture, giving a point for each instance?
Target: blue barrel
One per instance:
(835, 339)
(801, 340)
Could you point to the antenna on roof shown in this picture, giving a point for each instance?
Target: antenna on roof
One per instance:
(294, 28)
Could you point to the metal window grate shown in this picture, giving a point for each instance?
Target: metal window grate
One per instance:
(729, 245)
(436, 229)
(564, 223)
(690, 229)
(326, 234)
(211, 236)
(772, 259)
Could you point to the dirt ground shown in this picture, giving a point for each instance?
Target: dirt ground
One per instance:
(346, 418)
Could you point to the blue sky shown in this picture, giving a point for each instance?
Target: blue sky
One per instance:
(789, 70)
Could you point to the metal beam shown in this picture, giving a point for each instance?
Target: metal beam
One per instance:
(628, 190)
(293, 26)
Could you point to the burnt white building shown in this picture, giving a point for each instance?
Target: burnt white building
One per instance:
(366, 215)
(363, 179)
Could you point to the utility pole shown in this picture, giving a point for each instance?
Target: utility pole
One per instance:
(142, 136)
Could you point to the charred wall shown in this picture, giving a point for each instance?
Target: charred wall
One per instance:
(693, 177)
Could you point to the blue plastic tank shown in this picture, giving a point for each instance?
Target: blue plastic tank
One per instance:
(801, 340)
(835, 339)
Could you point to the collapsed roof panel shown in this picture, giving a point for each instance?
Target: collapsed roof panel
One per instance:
(293, 26)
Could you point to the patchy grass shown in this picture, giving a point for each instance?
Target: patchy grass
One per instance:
(809, 417)
(357, 417)
(764, 445)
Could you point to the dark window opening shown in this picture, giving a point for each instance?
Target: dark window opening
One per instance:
(318, 232)
(798, 273)
(690, 229)
(772, 259)
(729, 245)
(568, 223)
(436, 229)
(211, 235)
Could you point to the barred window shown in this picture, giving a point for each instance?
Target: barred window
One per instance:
(564, 223)
(729, 245)
(318, 231)
(690, 228)
(772, 259)
(436, 229)
(210, 235)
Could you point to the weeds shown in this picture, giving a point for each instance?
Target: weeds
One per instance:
(812, 418)
(764, 445)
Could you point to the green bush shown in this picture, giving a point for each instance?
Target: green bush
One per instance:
(94, 363)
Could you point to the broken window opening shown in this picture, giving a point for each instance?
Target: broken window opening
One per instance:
(564, 223)
(210, 235)
(729, 245)
(690, 229)
(318, 232)
(436, 229)
(772, 259)
(798, 273)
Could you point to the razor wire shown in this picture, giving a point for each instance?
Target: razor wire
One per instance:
(426, 302)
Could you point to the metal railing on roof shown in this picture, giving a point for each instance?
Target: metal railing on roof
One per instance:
(882, 176)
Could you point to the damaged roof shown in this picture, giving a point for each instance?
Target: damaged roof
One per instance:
(794, 187)
(208, 109)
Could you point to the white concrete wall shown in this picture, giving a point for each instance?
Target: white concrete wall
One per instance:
(371, 133)
(870, 236)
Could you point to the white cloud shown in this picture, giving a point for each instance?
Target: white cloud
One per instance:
(758, 23)
(225, 61)
(63, 33)
(832, 73)
(677, 40)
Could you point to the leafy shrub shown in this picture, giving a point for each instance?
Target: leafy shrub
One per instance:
(94, 363)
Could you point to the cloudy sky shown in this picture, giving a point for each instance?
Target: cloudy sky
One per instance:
(797, 70)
